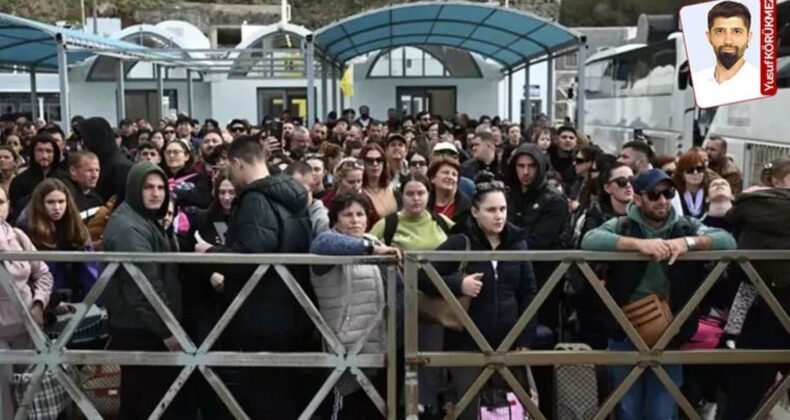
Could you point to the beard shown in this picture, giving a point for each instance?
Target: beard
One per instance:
(728, 59)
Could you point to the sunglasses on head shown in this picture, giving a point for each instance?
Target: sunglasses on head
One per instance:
(354, 163)
(622, 182)
(668, 193)
(490, 186)
(371, 161)
(695, 170)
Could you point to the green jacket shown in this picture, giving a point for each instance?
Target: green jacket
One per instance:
(605, 238)
(132, 228)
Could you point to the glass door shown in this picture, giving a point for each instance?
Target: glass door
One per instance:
(412, 100)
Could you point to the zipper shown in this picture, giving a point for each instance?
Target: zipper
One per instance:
(496, 293)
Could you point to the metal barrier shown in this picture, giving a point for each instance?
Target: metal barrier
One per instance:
(501, 359)
(50, 356)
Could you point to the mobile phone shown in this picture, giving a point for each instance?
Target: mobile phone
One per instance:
(275, 129)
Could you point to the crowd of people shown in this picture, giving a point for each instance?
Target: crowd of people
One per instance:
(353, 185)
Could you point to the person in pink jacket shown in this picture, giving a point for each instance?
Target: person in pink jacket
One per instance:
(33, 282)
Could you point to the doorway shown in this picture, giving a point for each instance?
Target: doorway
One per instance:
(436, 100)
(273, 101)
(143, 104)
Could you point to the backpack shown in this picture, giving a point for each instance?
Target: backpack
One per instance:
(391, 225)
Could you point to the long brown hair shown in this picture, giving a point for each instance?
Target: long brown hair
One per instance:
(42, 228)
(384, 178)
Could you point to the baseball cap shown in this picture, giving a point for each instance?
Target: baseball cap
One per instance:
(648, 179)
(445, 147)
(395, 137)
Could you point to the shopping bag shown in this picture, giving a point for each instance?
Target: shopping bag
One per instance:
(49, 401)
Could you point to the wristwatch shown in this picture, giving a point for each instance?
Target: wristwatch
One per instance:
(368, 246)
(691, 243)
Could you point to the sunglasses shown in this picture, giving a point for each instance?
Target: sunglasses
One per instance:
(237, 129)
(622, 182)
(169, 132)
(374, 161)
(668, 193)
(580, 161)
(418, 163)
(695, 170)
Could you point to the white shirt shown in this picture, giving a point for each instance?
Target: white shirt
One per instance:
(744, 85)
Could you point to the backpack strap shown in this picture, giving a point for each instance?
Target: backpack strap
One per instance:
(441, 222)
(623, 226)
(390, 226)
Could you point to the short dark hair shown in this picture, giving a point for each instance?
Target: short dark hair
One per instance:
(248, 149)
(567, 128)
(53, 129)
(124, 122)
(298, 167)
(148, 145)
(422, 179)
(344, 201)
(728, 9)
(717, 137)
(640, 147)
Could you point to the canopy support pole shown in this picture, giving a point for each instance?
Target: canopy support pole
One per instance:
(160, 91)
(310, 80)
(510, 96)
(190, 95)
(334, 88)
(550, 90)
(527, 108)
(324, 91)
(33, 95)
(580, 84)
(120, 94)
(63, 79)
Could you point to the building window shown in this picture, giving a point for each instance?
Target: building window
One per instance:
(427, 61)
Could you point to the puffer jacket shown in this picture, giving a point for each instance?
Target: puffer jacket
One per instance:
(133, 228)
(98, 137)
(32, 280)
(349, 296)
(269, 216)
(508, 287)
(762, 221)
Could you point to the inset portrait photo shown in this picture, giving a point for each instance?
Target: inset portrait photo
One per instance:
(724, 46)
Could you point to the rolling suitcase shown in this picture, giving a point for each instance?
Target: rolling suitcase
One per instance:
(575, 388)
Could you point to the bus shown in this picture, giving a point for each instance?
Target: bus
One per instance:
(646, 90)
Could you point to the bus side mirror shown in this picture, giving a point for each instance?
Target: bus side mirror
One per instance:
(684, 76)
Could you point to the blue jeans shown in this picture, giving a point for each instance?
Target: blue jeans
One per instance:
(648, 398)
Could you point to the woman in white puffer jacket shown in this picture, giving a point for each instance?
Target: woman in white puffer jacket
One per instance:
(33, 283)
(351, 296)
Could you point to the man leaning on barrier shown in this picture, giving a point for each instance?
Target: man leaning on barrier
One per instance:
(135, 325)
(269, 216)
(652, 228)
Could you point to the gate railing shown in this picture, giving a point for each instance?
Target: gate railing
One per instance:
(500, 360)
(51, 355)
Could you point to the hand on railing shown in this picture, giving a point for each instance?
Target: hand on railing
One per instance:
(172, 344)
(471, 284)
(386, 250)
(217, 281)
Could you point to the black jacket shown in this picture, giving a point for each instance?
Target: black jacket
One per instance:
(506, 292)
(98, 137)
(132, 228)
(762, 221)
(268, 216)
(462, 205)
(472, 167)
(563, 162)
(23, 184)
(540, 210)
(84, 202)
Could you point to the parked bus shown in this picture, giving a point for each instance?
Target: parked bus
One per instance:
(639, 89)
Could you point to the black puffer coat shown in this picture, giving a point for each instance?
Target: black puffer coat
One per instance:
(23, 184)
(98, 137)
(506, 293)
(268, 216)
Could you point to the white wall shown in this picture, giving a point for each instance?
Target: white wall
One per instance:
(537, 76)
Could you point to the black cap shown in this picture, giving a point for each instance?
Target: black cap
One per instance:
(648, 180)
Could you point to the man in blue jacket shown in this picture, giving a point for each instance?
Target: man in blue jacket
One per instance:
(652, 228)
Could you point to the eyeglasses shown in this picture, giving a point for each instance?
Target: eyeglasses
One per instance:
(173, 152)
(622, 182)
(695, 170)
(418, 163)
(374, 161)
(668, 193)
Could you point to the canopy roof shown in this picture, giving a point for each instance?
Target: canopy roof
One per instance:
(29, 43)
(510, 37)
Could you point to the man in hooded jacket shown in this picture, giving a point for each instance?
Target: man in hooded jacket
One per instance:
(269, 216)
(98, 137)
(135, 325)
(44, 158)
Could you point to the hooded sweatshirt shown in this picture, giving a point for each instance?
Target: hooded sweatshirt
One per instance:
(98, 137)
(24, 183)
(133, 228)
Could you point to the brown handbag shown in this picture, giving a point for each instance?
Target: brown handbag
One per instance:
(437, 310)
(650, 316)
